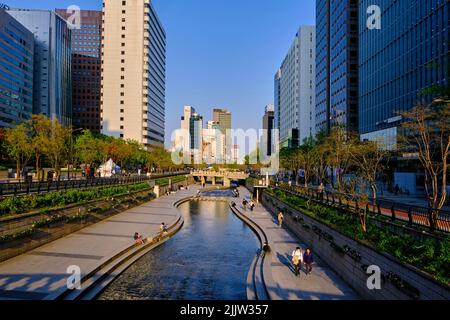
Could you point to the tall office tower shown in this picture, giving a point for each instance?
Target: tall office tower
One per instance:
(337, 48)
(277, 95)
(297, 90)
(268, 126)
(213, 144)
(16, 71)
(408, 54)
(189, 139)
(86, 65)
(52, 76)
(223, 118)
(133, 72)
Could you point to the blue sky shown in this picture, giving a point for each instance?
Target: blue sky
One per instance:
(220, 53)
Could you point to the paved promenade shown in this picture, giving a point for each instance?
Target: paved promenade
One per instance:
(41, 272)
(322, 284)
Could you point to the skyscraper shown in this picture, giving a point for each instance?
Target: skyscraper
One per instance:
(223, 118)
(295, 92)
(268, 126)
(133, 72)
(16, 71)
(86, 69)
(52, 76)
(189, 139)
(337, 64)
(277, 94)
(409, 54)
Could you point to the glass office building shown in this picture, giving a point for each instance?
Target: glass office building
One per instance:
(86, 65)
(16, 71)
(52, 76)
(337, 64)
(397, 62)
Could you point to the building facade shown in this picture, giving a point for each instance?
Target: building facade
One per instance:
(295, 98)
(409, 54)
(337, 64)
(52, 76)
(189, 138)
(16, 71)
(133, 72)
(277, 102)
(268, 129)
(86, 69)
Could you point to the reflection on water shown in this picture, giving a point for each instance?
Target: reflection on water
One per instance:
(207, 260)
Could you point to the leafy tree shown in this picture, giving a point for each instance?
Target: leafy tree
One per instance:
(427, 132)
(88, 148)
(40, 127)
(18, 145)
(55, 149)
(340, 141)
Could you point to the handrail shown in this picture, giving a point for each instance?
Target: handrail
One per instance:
(41, 187)
(414, 216)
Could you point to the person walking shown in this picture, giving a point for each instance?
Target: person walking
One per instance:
(308, 260)
(297, 257)
(280, 219)
(321, 190)
(252, 205)
(244, 204)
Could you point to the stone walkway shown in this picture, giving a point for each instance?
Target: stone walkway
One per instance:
(42, 271)
(322, 284)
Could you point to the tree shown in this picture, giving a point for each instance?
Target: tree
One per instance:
(88, 148)
(40, 127)
(19, 146)
(369, 160)
(290, 159)
(340, 158)
(427, 132)
(307, 156)
(56, 148)
(322, 153)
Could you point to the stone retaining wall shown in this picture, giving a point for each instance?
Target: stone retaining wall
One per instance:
(44, 235)
(350, 259)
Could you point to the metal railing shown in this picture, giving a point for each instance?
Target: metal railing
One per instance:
(413, 216)
(41, 187)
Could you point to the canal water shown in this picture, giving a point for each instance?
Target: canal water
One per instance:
(207, 260)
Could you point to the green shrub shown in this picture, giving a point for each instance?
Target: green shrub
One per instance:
(430, 255)
(18, 205)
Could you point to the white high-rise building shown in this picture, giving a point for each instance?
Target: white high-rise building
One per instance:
(133, 72)
(189, 138)
(295, 90)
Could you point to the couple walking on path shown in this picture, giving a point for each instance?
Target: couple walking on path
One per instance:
(298, 257)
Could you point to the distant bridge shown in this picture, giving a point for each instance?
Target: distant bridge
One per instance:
(225, 175)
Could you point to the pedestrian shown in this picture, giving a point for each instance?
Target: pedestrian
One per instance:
(397, 189)
(308, 260)
(280, 219)
(252, 205)
(163, 228)
(297, 257)
(138, 238)
(321, 190)
(244, 204)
